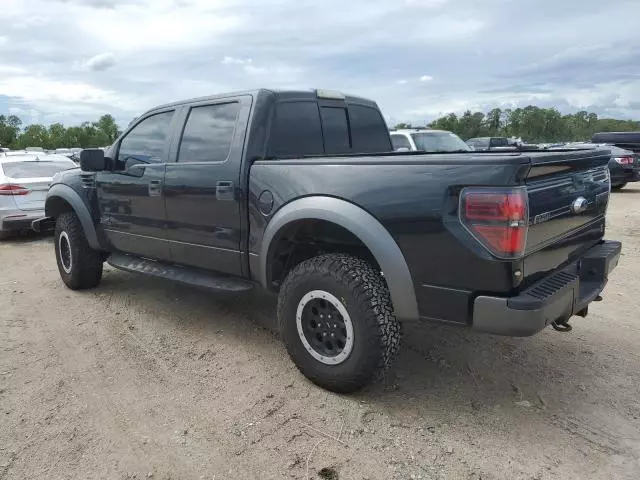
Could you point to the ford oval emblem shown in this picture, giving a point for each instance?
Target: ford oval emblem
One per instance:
(579, 205)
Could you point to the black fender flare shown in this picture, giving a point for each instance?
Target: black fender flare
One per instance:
(70, 196)
(364, 226)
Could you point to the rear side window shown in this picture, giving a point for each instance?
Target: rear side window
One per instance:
(336, 130)
(35, 169)
(296, 130)
(369, 131)
(208, 133)
(146, 141)
(400, 141)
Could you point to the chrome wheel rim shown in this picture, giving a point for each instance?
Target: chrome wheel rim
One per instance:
(64, 250)
(324, 327)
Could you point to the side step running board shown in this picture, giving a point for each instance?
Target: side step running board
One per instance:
(186, 275)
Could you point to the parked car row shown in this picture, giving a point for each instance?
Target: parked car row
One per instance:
(624, 166)
(24, 182)
(72, 153)
(427, 140)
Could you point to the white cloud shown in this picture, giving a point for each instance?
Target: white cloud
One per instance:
(7, 70)
(235, 61)
(172, 49)
(253, 70)
(100, 62)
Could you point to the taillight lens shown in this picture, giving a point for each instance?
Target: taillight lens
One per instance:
(13, 189)
(498, 219)
(626, 160)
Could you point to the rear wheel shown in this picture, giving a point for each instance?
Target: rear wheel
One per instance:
(337, 322)
(620, 186)
(79, 265)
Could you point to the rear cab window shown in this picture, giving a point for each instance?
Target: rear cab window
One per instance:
(369, 130)
(296, 130)
(308, 128)
(335, 128)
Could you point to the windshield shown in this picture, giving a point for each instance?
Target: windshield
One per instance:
(35, 169)
(439, 142)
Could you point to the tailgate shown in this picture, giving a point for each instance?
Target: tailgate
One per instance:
(568, 194)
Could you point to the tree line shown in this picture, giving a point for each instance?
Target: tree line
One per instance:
(532, 124)
(88, 134)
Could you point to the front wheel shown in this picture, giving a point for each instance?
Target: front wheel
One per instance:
(79, 265)
(337, 321)
(618, 187)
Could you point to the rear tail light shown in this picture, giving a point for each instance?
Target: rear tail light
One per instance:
(13, 189)
(497, 218)
(626, 160)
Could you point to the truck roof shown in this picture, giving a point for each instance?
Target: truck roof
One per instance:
(310, 94)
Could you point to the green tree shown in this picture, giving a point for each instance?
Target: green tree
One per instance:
(533, 124)
(9, 129)
(33, 136)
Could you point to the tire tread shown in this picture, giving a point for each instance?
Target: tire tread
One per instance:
(382, 331)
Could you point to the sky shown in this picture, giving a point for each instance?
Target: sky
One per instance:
(74, 60)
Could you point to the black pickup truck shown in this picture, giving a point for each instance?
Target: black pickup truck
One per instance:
(301, 193)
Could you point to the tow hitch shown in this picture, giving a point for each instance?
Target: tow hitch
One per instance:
(562, 325)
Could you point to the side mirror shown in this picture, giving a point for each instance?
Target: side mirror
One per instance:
(92, 160)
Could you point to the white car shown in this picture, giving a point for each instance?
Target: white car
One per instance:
(427, 140)
(24, 182)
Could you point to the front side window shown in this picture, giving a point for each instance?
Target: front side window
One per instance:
(208, 133)
(145, 143)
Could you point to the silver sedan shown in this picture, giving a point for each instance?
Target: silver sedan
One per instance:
(24, 181)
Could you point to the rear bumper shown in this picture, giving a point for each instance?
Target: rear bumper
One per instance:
(558, 296)
(621, 175)
(19, 220)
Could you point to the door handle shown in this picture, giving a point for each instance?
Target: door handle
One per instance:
(155, 188)
(225, 190)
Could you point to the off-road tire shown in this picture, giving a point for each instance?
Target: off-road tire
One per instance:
(365, 295)
(86, 263)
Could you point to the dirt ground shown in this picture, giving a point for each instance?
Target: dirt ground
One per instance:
(142, 378)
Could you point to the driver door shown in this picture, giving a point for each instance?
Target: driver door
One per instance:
(130, 196)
